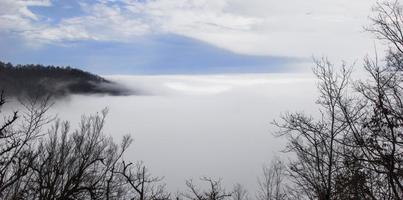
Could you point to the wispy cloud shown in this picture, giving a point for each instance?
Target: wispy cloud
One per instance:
(15, 16)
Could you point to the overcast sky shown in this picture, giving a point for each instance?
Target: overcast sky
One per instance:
(193, 36)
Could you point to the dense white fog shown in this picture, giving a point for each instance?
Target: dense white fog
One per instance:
(188, 126)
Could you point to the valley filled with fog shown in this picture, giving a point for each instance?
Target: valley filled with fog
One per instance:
(189, 126)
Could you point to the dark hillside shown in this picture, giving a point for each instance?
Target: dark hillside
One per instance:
(39, 80)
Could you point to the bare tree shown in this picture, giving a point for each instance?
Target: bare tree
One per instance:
(142, 186)
(388, 23)
(375, 120)
(65, 164)
(314, 142)
(272, 184)
(239, 192)
(358, 142)
(215, 190)
(376, 128)
(16, 136)
(76, 165)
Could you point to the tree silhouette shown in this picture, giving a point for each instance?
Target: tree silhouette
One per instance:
(40, 80)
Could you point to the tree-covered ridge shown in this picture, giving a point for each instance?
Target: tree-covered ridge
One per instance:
(30, 79)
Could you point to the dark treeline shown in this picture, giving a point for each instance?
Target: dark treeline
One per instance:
(40, 80)
(352, 151)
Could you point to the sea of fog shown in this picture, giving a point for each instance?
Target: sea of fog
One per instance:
(189, 126)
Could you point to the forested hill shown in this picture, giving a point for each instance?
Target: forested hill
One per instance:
(40, 80)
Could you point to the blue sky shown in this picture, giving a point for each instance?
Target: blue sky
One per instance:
(163, 54)
(182, 36)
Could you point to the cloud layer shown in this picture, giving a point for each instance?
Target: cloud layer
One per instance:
(292, 28)
(204, 125)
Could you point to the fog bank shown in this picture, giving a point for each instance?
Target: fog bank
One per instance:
(208, 125)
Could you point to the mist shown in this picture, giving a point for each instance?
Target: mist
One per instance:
(189, 126)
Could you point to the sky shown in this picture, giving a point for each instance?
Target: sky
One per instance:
(204, 111)
(183, 36)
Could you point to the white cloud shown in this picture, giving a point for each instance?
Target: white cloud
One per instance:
(288, 27)
(19, 8)
(16, 16)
